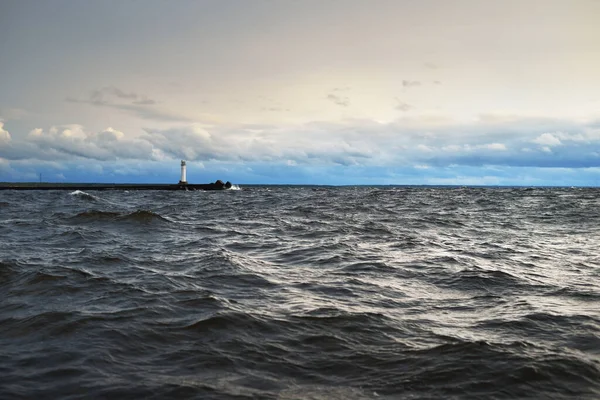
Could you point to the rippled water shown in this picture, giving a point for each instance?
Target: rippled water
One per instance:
(301, 293)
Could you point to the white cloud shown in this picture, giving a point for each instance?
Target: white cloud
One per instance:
(4, 135)
(585, 136)
(452, 147)
(418, 140)
(110, 135)
(496, 146)
(36, 133)
(547, 139)
(474, 147)
(74, 140)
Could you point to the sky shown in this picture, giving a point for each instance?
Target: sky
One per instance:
(433, 92)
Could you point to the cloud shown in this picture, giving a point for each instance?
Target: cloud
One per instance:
(73, 141)
(419, 139)
(402, 106)
(547, 139)
(307, 144)
(155, 114)
(275, 109)
(496, 146)
(424, 139)
(107, 94)
(342, 101)
(144, 102)
(420, 149)
(409, 84)
(12, 113)
(120, 94)
(133, 103)
(4, 135)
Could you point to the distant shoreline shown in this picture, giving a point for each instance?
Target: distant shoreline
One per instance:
(220, 186)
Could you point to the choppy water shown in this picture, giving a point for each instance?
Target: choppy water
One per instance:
(301, 293)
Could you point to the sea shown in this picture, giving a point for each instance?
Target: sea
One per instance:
(301, 292)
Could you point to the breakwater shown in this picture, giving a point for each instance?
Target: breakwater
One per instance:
(218, 185)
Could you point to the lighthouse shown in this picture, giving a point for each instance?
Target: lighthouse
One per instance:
(183, 180)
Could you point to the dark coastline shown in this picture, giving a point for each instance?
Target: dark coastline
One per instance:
(218, 185)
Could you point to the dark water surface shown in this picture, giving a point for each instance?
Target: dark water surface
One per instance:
(301, 293)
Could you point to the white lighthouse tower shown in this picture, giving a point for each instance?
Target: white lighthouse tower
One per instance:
(183, 180)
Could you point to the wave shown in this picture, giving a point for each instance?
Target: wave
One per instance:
(33, 324)
(480, 279)
(85, 196)
(372, 324)
(293, 293)
(143, 216)
(95, 215)
(323, 392)
(365, 267)
(138, 216)
(229, 321)
(579, 293)
(8, 269)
